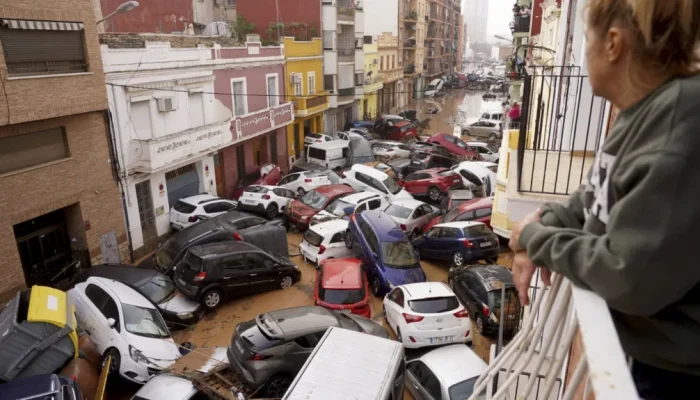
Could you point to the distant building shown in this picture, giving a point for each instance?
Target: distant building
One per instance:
(476, 17)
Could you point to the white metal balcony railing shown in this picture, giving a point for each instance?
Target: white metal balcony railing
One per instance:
(529, 358)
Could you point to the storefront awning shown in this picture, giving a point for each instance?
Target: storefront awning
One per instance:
(42, 25)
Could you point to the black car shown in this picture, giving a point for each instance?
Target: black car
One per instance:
(429, 160)
(398, 165)
(233, 225)
(478, 287)
(41, 387)
(176, 309)
(211, 272)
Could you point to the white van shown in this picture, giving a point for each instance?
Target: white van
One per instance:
(333, 155)
(353, 365)
(435, 88)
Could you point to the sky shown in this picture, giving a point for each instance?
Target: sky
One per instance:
(500, 15)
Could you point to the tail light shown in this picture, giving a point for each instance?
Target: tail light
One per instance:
(468, 244)
(486, 311)
(403, 227)
(467, 334)
(307, 180)
(462, 314)
(266, 197)
(192, 218)
(410, 318)
(321, 249)
(237, 236)
(200, 277)
(259, 357)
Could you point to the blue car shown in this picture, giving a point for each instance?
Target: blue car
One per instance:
(460, 242)
(368, 125)
(41, 387)
(385, 250)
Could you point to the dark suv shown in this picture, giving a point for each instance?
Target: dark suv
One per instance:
(429, 160)
(479, 288)
(211, 272)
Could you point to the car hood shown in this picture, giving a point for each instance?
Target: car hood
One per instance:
(179, 304)
(403, 276)
(297, 208)
(369, 326)
(162, 352)
(403, 194)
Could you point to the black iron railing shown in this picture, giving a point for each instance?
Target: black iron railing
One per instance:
(561, 127)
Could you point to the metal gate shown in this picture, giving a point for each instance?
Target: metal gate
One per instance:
(145, 204)
(182, 182)
(44, 253)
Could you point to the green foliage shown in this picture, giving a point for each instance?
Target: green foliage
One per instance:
(241, 27)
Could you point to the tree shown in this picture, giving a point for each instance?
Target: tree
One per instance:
(240, 28)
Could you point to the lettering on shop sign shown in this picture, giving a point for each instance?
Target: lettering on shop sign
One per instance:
(173, 145)
(208, 135)
(255, 121)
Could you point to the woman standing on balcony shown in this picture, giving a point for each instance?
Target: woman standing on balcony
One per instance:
(630, 234)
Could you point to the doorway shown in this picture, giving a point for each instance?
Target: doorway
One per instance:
(219, 172)
(145, 204)
(240, 161)
(260, 151)
(297, 141)
(181, 182)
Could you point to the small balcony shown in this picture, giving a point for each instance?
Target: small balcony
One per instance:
(521, 24)
(409, 69)
(411, 17)
(374, 83)
(346, 54)
(346, 95)
(346, 11)
(308, 105)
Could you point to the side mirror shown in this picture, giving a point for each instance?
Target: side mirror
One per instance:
(111, 322)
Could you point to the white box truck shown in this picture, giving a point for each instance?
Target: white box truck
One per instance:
(348, 365)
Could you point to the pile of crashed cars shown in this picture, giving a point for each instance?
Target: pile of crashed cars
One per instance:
(394, 201)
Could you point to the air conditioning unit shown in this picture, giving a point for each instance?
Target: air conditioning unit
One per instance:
(166, 104)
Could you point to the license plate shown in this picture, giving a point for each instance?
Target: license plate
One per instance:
(346, 311)
(486, 244)
(246, 201)
(440, 339)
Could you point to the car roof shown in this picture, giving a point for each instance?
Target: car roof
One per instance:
(306, 166)
(402, 123)
(129, 274)
(268, 187)
(454, 363)
(333, 144)
(384, 226)
(492, 275)
(215, 250)
(231, 216)
(356, 198)
(408, 203)
(166, 386)
(333, 190)
(481, 202)
(197, 199)
(332, 226)
(459, 224)
(482, 144)
(374, 173)
(342, 273)
(485, 163)
(426, 290)
(123, 293)
(299, 320)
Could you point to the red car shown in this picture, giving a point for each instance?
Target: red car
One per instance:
(433, 183)
(455, 145)
(302, 210)
(402, 130)
(478, 210)
(268, 174)
(341, 285)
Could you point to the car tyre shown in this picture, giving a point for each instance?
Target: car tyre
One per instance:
(301, 192)
(458, 258)
(286, 282)
(348, 239)
(466, 132)
(116, 361)
(211, 298)
(493, 136)
(272, 210)
(376, 287)
(277, 386)
(434, 193)
(480, 324)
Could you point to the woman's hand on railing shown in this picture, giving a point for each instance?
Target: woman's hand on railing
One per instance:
(534, 216)
(523, 270)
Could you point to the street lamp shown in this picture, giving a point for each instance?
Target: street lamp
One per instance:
(124, 7)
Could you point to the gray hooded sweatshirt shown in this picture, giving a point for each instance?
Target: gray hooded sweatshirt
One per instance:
(630, 234)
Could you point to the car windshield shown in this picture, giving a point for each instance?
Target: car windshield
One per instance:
(461, 143)
(167, 252)
(399, 254)
(144, 322)
(398, 211)
(391, 185)
(456, 202)
(314, 135)
(332, 176)
(450, 216)
(159, 288)
(185, 208)
(434, 305)
(313, 238)
(361, 151)
(338, 207)
(250, 179)
(256, 189)
(430, 87)
(463, 390)
(341, 296)
(314, 200)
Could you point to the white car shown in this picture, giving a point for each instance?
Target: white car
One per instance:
(448, 372)
(269, 200)
(436, 87)
(390, 148)
(364, 178)
(302, 182)
(170, 387)
(411, 215)
(311, 138)
(357, 201)
(484, 151)
(427, 314)
(188, 210)
(124, 324)
(325, 240)
(480, 173)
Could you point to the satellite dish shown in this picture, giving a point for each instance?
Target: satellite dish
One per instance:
(218, 28)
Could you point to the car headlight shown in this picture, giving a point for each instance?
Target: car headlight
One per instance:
(136, 355)
(186, 315)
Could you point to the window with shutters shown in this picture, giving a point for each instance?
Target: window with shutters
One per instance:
(328, 83)
(311, 82)
(272, 90)
(238, 96)
(297, 85)
(43, 47)
(31, 149)
(196, 108)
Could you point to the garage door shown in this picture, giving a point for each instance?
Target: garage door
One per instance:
(182, 182)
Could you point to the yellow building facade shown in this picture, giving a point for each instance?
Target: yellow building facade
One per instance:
(373, 81)
(304, 88)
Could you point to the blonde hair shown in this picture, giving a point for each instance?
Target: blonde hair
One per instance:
(665, 33)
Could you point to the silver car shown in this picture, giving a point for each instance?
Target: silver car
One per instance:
(483, 128)
(270, 350)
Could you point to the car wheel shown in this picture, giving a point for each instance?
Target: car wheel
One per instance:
(272, 210)
(466, 132)
(480, 324)
(376, 287)
(116, 361)
(286, 282)
(301, 192)
(434, 193)
(458, 258)
(277, 386)
(211, 299)
(493, 137)
(348, 239)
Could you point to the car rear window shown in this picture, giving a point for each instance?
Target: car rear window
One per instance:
(477, 230)
(185, 208)
(398, 211)
(193, 262)
(446, 173)
(313, 238)
(510, 299)
(341, 296)
(256, 189)
(434, 305)
(314, 135)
